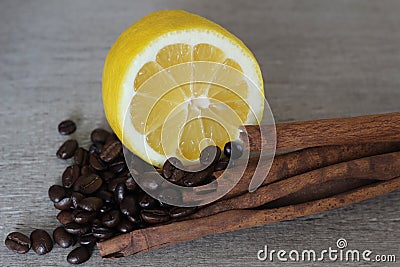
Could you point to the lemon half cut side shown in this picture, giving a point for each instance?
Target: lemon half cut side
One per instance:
(175, 82)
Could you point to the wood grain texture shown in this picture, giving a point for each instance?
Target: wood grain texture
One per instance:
(320, 59)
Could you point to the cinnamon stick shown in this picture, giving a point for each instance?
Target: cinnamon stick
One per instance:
(160, 236)
(301, 161)
(294, 135)
(380, 167)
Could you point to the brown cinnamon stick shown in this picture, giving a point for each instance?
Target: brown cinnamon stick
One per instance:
(380, 167)
(160, 236)
(301, 161)
(293, 135)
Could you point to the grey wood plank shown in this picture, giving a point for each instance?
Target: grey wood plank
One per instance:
(320, 59)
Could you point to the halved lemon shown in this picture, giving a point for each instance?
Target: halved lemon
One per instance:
(175, 82)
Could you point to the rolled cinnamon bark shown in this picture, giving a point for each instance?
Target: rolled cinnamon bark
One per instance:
(160, 236)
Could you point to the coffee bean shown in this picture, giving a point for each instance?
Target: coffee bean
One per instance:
(81, 157)
(66, 127)
(102, 232)
(114, 182)
(105, 195)
(64, 204)
(118, 166)
(120, 192)
(180, 212)
(67, 149)
(107, 207)
(129, 206)
(87, 240)
(82, 217)
(41, 242)
(147, 202)
(65, 217)
(111, 218)
(150, 180)
(196, 178)
(62, 237)
(85, 170)
(57, 193)
(76, 197)
(131, 184)
(99, 135)
(107, 176)
(95, 148)
(170, 166)
(91, 203)
(77, 229)
(155, 216)
(88, 184)
(70, 175)
(134, 219)
(18, 242)
(125, 226)
(78, 255)
(221, 165)
(111, 151)
(96, 163)
(210, 155)
(233, 150)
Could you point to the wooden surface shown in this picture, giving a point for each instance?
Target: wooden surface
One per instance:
(320, 59)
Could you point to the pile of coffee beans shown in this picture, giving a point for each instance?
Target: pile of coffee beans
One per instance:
(98, 197)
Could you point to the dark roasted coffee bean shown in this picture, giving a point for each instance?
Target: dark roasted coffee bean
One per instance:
(70, 175)
(180, 212)
(67, 149)
(111, 218)
(87, 240)
(134, 219)
(155, 216)
(77, 229)
(95, 148)
(41, 242)
(65, 217)
(88, 184)
(96, 163)
(107, 176)
(118, 166)
(85, 170)
(210, 155)
(105, 195)
(112, 137)
(81, 157)
(99, 135)
(147, 202)
(170, 166)
(150, 180)
(82, 217)
(91, 203)
(129, 206)
(197, 178)
(111, 151)
(233, 150)
(119, 192)
(62, 237)
(18, 242)
(131, 184)
(125, 226)
(221, 165)
(114, 182)
(64, 204)
(103, 233)
(76, 197)
(107, 207)
(78, 255)
(66, 127)
(57, 193)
